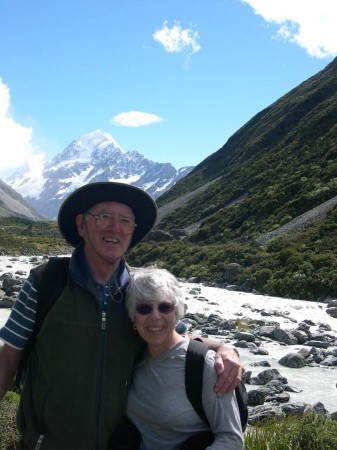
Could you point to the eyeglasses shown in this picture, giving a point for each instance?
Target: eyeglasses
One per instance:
(146, 308)
(127, 224)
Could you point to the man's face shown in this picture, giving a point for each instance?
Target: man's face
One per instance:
(107, 230)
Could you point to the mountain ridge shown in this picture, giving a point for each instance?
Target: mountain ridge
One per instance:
(93, 157)
(281, 142)
(13, 204)
(263, 205)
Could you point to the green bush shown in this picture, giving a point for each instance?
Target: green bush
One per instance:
(9, 436)
(308, 432)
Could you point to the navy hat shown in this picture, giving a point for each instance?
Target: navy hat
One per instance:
(80, 201)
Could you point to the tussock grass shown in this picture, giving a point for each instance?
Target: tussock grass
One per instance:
(9, 435)
(308, 432)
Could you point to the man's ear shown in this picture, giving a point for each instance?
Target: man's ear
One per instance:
(80, 224)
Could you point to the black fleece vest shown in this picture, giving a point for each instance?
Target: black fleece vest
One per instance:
(76, 387)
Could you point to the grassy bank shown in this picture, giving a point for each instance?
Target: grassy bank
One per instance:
(308, 432)
(8, 433)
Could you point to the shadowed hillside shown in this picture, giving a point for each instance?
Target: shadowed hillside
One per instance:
(13, 204)
(283, 160)
(265, 201)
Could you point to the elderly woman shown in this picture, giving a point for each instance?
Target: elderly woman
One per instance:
(157, 401)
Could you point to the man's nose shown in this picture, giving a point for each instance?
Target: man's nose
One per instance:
(113, 222)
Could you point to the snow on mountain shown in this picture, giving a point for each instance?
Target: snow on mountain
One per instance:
(93, 157)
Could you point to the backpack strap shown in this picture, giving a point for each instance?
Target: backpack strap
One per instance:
(194, 373)
(194, 366)
(50, 280)
(242, 400)
(50, 284)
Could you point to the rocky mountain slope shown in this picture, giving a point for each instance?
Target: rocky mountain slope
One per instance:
(93, 157)
(13, 204)
(264, 204)
(279, 165)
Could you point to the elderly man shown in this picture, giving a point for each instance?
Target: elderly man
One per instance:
(80, 368)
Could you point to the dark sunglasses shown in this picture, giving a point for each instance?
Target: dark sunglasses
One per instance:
(146, 308)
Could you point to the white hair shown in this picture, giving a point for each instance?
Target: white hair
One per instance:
(152, 283)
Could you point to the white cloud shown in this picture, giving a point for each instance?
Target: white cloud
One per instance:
(177, 39)
(15, 139)
(135, 119)
(16, 144)
(311, 24)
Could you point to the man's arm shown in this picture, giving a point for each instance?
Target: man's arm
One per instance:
(227, 365)
(227, 362)
(9, 361)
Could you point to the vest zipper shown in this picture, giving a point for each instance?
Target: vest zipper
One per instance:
(103, 321)
(39, 442)
(42, 425)
(100, 376)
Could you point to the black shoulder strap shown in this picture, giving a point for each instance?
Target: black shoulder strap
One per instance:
(194, 372)
(49, 286)
(194, 366)
(50, 281)
(242, 400)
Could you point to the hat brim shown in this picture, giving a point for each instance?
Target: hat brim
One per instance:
(81, 200)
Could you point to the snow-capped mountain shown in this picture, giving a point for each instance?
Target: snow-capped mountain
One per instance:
(93, 157)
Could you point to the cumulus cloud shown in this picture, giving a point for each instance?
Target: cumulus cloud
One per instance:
(135, 119)
(177, 39)
(15, 139)
(311, 24)
(16, 144)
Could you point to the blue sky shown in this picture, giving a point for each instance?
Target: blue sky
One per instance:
(172, 79)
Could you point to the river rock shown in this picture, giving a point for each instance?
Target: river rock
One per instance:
(294, 360)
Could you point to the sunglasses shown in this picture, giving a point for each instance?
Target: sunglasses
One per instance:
(146, 308)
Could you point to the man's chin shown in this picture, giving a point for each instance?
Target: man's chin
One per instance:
(113, 258)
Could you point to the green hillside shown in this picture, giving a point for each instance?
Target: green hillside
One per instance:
(283, 159)
(25, 237)
(279, 165)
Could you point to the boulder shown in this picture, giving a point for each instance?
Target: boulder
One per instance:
(332, 312)
(294, 360)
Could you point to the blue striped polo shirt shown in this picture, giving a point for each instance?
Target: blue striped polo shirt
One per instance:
(20, 323)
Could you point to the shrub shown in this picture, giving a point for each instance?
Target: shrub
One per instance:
(308, 432)
(9, 435)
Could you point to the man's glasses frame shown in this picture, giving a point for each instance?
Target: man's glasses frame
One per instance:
(127, 224)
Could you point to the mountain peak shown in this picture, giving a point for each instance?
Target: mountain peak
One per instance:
(86, 148)
(96, 139)
(93, 157)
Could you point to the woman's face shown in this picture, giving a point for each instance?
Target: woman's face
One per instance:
(155, 322)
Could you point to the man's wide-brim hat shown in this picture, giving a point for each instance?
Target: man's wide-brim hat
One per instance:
(81, 200)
